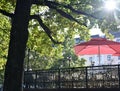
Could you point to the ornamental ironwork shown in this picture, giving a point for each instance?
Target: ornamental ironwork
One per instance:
(106, 76)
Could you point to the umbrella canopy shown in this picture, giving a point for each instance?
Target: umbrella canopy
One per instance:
(97, 46)
(116, 54)
(90, 50)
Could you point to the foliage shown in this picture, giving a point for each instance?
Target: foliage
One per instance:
(5, 26)
(68, 58)
(43, 52)
(48, 52)
(4, 39)
(58, 55)
(109, 20)
(109, 35)
(8, 6)
(2, 67)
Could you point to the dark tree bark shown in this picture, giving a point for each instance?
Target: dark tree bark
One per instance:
(17, 45)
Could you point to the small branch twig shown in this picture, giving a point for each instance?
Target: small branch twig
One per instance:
(6, 13)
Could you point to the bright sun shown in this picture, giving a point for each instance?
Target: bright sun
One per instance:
(110, 5)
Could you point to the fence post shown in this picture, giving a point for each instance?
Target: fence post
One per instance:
(59, 78)
(35, 78)
(119, 74)
(86, 78)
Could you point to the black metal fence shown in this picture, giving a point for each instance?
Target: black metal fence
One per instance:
(106, 76)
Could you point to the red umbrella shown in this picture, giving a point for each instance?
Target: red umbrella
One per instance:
(116, 54)
(97, 46)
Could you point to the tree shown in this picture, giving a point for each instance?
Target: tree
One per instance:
(20, 20)
(19, 32)
(69, 59)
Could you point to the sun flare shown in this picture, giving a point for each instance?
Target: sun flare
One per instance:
(110, 5)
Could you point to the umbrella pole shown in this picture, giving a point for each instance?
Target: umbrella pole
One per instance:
(99, 54)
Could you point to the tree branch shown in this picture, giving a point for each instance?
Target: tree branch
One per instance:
(38, 2)
(6, 13)
(46, 29)
(64, 14)
(52, 3)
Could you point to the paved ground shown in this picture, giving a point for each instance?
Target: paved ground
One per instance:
(90, 89)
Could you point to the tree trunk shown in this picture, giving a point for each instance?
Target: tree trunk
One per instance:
(18, 39)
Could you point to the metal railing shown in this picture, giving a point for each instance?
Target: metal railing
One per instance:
(106, 76)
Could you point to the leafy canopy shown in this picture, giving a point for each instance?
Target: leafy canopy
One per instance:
(64, 19)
